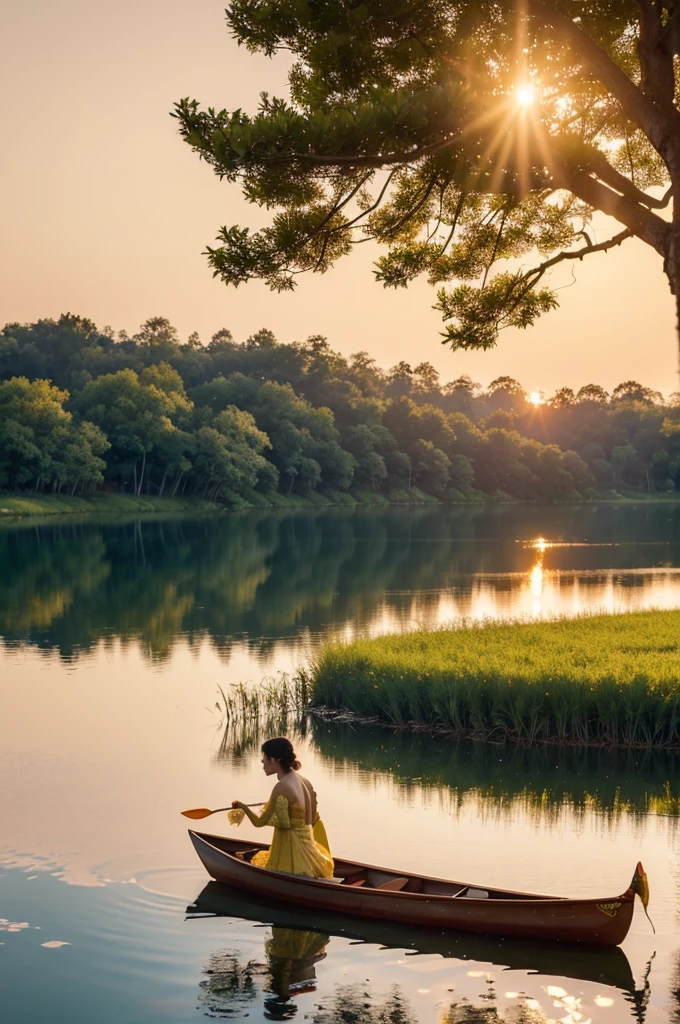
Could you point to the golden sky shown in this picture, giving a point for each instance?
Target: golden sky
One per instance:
(106, 212)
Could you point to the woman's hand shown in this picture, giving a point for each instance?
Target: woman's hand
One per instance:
(237, 804)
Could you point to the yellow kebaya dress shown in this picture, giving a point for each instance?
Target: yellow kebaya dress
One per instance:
(297, 848)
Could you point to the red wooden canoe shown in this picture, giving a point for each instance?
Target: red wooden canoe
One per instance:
(364, 890)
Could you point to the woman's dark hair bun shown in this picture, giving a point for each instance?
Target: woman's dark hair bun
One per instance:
(281, 749)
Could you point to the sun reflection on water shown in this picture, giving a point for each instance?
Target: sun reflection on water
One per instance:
(540, 545)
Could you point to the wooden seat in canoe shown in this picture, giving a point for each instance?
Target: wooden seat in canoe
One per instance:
(393, 884)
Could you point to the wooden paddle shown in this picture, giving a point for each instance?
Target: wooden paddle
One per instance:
(205, 812)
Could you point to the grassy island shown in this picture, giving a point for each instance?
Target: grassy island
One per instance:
(605, 679)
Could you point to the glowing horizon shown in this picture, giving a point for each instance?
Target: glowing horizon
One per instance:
(118, 224)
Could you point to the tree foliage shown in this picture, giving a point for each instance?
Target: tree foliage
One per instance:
(460, 137)
(231, 419)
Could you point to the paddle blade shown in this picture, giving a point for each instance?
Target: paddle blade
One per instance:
(197, 812)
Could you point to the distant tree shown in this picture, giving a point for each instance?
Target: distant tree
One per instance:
(461, 472)
(174, 452)
(425, 378)
(228, 454)
(505, 393)
(263, 338)
(369, 446)
(371, 471)
(40, 443)
(399, 469)
(80, 461)
(51, 344)
(507, 384)
(563, 397)
(501, 419)
(626, 466)
(158, 338)
(631, 391)
(430, 467)
(592, 451)
(19, 454)
(163, 378)
(592, 393)
(366, 374)
(409, 423)
(400, 380)
(577, 467)
(468, 435)
(459, 395)
(134, 413)
(496, 456)
(220, 339)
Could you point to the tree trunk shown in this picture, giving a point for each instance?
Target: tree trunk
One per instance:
(165, 477)
(73, 489)
(176, 485)
(672, 261)
(134, 467)
(141, 477)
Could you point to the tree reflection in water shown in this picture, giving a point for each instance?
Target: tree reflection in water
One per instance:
(230, 985)
(498, 779)
(266, 579)
(354, 1004)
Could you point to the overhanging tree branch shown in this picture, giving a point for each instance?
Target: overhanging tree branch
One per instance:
(534, 275)
(361, 160)
(639, 221)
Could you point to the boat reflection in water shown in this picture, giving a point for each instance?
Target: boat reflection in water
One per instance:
(293, 951)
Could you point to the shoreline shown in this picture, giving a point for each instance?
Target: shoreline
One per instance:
(24, 505)
(495, 738)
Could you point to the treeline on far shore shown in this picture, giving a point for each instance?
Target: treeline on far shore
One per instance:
(83, 409)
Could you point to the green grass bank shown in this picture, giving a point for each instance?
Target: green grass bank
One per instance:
(611, 680)
(21, 505)
(27, 503)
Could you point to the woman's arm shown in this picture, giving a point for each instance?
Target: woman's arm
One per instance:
(269, 812)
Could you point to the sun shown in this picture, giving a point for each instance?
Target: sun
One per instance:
(525, 95)
(536, 398)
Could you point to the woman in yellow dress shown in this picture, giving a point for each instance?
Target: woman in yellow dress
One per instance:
(300, 845)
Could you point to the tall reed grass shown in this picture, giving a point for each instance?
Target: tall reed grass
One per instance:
(272, 698)
(604, 679)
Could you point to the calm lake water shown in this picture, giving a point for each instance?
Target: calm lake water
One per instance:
(115, 639)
